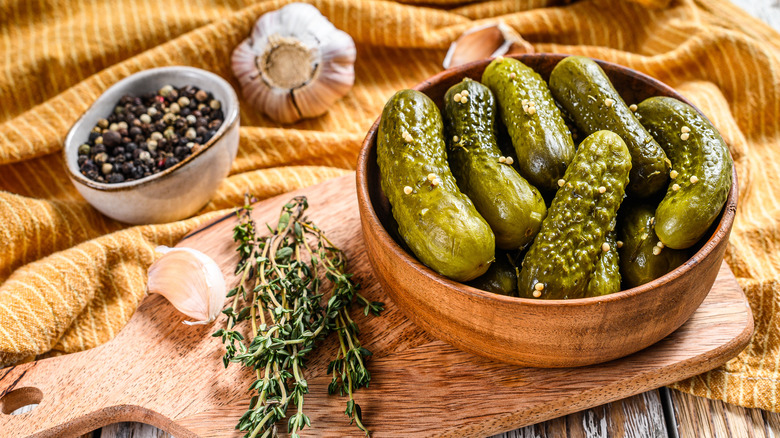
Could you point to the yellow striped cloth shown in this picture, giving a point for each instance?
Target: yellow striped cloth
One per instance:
(70, 278)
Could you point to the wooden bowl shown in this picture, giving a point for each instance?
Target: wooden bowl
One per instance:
(539, 333)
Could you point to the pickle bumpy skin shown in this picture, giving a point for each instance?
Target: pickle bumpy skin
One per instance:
(606, 276)
(512, 207)
(539, 135)
(562, 259)
(438, 222)
(587, 95)
(643, 257)
(701, 170)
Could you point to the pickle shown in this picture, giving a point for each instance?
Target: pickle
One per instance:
(606, 276)
(438, 222)
(539, 135)
(562, 258)
(641, 259)
(513, 208)
(500, 278)
(701, 170)
(584, 90)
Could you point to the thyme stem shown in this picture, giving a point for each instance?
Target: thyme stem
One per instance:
(289, 316)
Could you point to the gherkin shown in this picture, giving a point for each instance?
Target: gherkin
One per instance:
(500, 278)
(438, 222)
(539, 135)
(587, 95)
(701, 167)
(606, 275)
(512, 207)
(563, 257)
(642, 259)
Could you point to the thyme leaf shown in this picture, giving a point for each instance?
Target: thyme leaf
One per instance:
(280, 298)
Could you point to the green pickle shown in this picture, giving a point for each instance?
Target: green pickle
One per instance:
(606, 276)
(539, 135)
(500, 278)
(438, 222)
(701, 170)
(512, 207)
(563, 257)
(589, 98)
(642, 260)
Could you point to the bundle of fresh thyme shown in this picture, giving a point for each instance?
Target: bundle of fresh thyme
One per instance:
(280, 293)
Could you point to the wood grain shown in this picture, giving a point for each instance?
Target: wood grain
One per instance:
(158, 371)
(637, 416)
(705, 418)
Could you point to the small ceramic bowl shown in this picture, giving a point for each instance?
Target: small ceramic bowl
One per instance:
(539, 333)
(174, 193)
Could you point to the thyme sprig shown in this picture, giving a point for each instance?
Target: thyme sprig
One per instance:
(280, 294)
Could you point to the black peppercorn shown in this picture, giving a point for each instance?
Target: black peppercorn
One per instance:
(170, 162)
(116, 178)
(145, 134)
(111, 138)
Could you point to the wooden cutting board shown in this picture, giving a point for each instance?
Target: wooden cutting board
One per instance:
(161, 372)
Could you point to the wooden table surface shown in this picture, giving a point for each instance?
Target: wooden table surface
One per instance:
(658, 413)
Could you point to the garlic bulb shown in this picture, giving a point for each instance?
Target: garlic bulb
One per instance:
(191, 281)
(295, 64)
(485, 41)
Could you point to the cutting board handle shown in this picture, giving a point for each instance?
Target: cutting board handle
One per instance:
(57, 386)
(81, 392)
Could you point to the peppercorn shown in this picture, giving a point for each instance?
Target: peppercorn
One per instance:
(170, 162)
(165, 90)
(146, 134)
(111, 138)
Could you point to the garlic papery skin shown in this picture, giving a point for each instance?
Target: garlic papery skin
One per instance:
(485, 41)
(191, 281)
(295, 64)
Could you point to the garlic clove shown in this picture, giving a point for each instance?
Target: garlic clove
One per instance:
(191, 281)
(295, 64)
(485, 41)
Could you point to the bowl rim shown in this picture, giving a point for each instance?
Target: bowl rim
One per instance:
(230, 111)
(722, 230)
